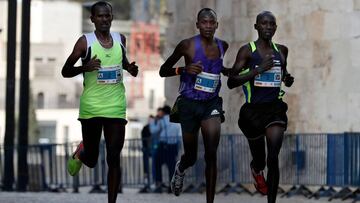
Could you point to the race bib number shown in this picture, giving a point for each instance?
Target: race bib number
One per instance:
(110, 75)
(207, 82)
(269, 78)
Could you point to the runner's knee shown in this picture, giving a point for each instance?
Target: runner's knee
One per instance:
(272, 161)
(92, 163)
(113, 161)
(210, 156)
(90, 159)
(189, 160)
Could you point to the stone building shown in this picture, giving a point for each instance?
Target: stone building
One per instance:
(323, 38)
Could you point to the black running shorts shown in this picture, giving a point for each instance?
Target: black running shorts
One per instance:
(190, 113)
(255, 118)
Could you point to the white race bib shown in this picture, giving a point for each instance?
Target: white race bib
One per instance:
(207, 82)
(109, 75)
(269, 78)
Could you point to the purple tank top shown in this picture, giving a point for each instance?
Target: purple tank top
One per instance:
(205, 85)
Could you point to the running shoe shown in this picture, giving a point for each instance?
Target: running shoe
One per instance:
(74, 163)
(177, 180)
(260, 183)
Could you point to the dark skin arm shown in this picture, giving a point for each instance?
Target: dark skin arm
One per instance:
(167, 70)
(69, 70)
(132, 68)
(79, 50)
(225, 71)
(183, 49)
(244, 54)
(287, 78)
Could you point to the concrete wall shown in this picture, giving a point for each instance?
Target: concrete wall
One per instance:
(324, 42)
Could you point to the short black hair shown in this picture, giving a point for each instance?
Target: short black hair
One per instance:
(262, 14)
(206, 10)
(100, 3)
(166, 109)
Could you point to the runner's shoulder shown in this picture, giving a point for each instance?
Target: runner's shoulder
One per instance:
(283, 48)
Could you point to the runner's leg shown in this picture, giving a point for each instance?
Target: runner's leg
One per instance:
(91, 134)
(114, 132)
(210, 129)
(274, 138)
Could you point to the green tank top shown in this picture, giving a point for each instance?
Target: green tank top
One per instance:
(104, 92)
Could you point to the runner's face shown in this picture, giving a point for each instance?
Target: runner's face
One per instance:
(102, 18)
(266, 27)
(207, 25)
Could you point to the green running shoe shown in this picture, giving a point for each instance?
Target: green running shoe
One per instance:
(74, 163)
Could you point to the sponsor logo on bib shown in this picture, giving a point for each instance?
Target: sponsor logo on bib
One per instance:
(207, 82)
(109, 75)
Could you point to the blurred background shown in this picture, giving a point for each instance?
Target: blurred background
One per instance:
(55, 27)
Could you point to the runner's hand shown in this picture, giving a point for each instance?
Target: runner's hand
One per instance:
(194, 68)
(266, 64)
(288, 80)
(133, 69)
(93, 64)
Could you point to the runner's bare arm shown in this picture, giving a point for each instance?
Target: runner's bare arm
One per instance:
(79, 51)
(288, 79)
(132, 68)
(167, 70)
(225, 71)
(237, 75)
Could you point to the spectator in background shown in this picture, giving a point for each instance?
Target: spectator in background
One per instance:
(168, 146)
(155, 140)
(146, 149)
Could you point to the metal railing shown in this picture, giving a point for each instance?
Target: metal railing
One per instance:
(329, 161)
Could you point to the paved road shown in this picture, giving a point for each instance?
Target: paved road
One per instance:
(131, 196)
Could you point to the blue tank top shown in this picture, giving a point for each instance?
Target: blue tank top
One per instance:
(265, 87)
(205, 85)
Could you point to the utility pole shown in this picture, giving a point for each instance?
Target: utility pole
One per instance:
(8, 179)
(23, 135)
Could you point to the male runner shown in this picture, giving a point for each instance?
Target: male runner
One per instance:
(199, 105)
(103, 102)
(260, 67)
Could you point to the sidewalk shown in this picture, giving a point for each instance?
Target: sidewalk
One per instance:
(131, 196)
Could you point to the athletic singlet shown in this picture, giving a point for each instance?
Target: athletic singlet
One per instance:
(206, 85)
(265, 87)
(104, 91)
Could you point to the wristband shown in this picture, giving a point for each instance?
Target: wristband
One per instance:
(177, 71)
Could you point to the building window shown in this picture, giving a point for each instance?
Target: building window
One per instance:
(38, 59)
(51, 60)
(40, 100)
(44, 67)
(47, 131)
(62, 101)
